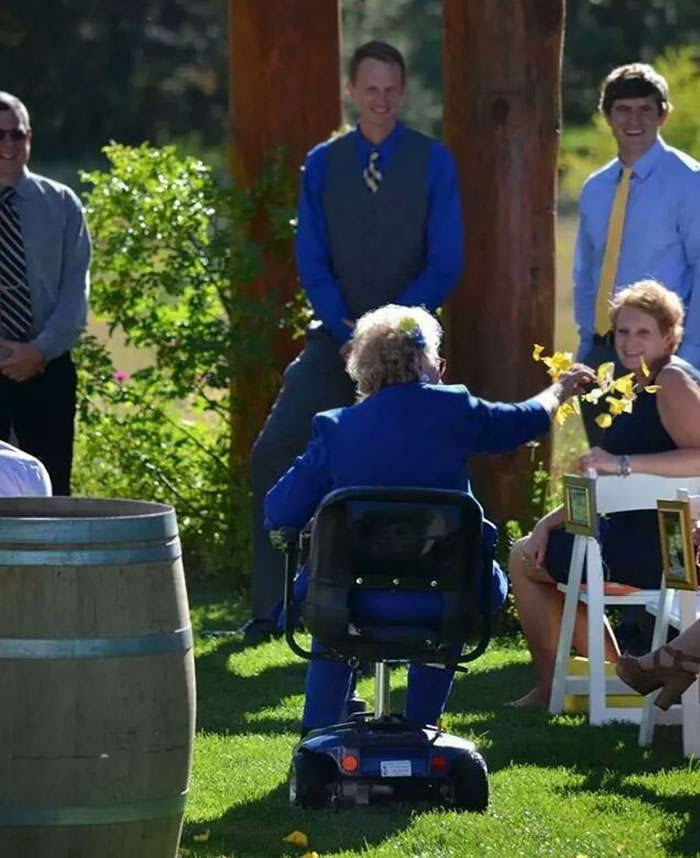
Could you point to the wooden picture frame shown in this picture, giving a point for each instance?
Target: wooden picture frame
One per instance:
(580, 514)
(677, 549)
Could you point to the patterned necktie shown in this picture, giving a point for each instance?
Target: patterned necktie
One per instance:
(611, 257)
(372, 174)
(15, 301)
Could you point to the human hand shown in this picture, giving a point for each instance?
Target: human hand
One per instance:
(24, 362)
(535, 546)
(600, 461)
(575, 380)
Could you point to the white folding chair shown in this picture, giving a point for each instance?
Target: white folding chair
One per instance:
(680, 609)
(613, 494)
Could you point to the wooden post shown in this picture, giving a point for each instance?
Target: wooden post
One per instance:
(502, 61)
(284, 89)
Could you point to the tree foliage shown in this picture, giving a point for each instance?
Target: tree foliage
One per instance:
(95, 70)
(173, 259)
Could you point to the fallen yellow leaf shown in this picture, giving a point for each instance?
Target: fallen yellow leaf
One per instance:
(203, 837)
(604, 421)
(297, 837)
(310, 855)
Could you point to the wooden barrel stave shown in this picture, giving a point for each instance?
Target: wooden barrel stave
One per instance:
(101, 724)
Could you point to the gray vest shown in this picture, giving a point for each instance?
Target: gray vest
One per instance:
(377, 241)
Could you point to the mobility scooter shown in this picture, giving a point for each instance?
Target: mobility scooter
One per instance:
(390, 539)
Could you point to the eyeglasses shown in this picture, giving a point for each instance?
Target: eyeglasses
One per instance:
(15, 134)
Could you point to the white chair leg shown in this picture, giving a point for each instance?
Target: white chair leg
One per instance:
(596, 649)
(658, 639)
(566, 632)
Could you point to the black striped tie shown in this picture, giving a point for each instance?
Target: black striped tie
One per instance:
(371, 174)
(15, 301)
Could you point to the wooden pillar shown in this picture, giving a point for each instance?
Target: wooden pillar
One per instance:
(284, 89)
(502, 62)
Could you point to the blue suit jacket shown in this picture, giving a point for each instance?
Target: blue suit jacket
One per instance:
(405, 435)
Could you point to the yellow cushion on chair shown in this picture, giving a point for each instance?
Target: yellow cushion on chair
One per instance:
(578, 666)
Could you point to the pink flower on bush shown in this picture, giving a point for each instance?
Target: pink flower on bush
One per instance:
(120, 376)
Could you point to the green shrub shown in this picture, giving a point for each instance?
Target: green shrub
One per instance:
(172, 259)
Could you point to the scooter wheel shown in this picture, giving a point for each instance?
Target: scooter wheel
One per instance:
(311, 779)
(470, 784)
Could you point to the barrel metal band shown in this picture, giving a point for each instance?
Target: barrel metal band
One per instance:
(21, 815)
(88, 530)
(108, 557)
(180, 640)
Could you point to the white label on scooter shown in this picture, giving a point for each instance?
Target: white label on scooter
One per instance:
(395, 768)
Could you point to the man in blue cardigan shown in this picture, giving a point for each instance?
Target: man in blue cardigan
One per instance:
(379, 222)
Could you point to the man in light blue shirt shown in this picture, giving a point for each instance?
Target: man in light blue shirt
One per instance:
(661, 233)
(44, 259)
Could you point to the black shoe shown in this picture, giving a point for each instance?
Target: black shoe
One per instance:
(352, 706)
(259, 629)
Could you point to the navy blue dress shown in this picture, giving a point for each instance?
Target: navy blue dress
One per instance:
(410, 434)
(629, 541)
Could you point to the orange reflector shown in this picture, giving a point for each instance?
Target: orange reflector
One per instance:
(439, 763)
(350, 763)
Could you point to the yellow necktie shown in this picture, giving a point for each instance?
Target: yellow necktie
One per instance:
(611, 257)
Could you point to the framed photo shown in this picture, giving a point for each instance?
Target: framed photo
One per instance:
(580, 515)
(677, 549)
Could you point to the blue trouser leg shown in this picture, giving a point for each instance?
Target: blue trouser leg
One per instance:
(327, 686)
(428, 689)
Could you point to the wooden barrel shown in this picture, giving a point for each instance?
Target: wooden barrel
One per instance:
(97, 692)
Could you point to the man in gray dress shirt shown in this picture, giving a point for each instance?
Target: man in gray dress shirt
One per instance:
(44, 260)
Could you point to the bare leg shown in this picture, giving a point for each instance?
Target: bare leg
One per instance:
(687, 642)
(540, 607)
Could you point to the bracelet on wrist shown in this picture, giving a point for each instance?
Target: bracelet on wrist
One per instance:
(624, 469)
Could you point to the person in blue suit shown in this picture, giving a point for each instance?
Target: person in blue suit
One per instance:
(407, 429)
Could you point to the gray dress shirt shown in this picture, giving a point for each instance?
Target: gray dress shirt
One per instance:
(57, 251)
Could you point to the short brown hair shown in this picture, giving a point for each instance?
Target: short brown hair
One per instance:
(657, 301)
(635, 80)
(376, 50)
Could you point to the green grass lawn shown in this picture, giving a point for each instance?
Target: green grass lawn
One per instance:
(558, 786)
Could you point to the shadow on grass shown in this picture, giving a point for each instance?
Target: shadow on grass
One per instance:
(225, 698)
(257, 828)
(685, 841)
(606, 757)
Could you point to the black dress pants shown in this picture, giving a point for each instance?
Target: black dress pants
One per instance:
(41, 411)
(315, 381)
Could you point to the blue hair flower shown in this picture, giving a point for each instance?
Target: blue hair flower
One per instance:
(418, 338)
(412, 328)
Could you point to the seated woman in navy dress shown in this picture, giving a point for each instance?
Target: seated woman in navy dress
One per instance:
(407, 429)
(660, 436)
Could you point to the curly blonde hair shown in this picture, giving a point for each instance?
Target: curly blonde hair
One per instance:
(657, 301)
(387, 344)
